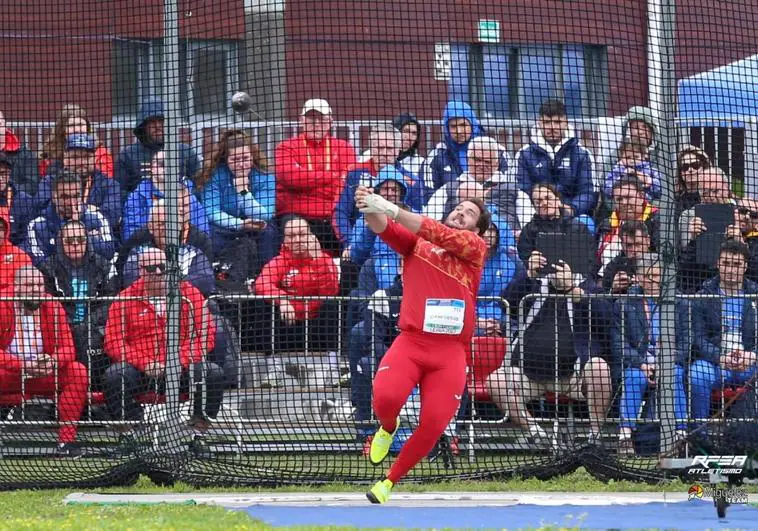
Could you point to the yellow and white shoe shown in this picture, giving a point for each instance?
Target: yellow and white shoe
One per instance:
(380, 445)
(380, 493)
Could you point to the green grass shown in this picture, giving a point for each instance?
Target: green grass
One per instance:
(26, 509)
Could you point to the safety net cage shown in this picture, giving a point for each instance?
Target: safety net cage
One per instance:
(199, 280)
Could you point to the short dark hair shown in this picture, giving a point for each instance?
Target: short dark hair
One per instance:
(628, 180)
(630, 228)
(735, 247)
(485, 217)
(66, 177)
(552, 108)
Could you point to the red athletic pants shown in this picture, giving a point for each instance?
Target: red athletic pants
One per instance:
(72, 393)
(438, 366)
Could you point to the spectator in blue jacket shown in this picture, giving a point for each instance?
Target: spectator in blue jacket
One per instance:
(140, 201)
(135, 157)
(632, 161)
(635, 340)
(499, 269)
(723, 329)
(239, 196)
(99, 190)
(21, 206)
(67, 204)
(556, 156)
(449, 159)
(194, 263)
(384, 145)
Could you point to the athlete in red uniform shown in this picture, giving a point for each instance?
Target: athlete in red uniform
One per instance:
(441, 271)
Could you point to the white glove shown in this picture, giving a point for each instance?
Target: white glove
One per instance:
(376, 204)
(379, 303)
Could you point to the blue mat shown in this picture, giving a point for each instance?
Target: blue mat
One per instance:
(697, 514)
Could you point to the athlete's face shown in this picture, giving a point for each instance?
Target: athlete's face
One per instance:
(465, 216)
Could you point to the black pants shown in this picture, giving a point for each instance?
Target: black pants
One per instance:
(136, 382)
(322, 330)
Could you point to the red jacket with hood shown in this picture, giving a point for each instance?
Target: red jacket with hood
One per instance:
(310, 176)
(11, 257)
(56, 334)
(136, 334)
(288, 275)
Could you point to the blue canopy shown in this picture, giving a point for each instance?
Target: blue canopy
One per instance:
(721, 96)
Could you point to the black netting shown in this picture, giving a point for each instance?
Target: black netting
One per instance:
(214, 266)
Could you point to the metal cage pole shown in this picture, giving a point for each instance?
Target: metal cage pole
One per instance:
(662, 94)
(171, 92)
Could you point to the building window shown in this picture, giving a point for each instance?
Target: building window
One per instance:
(130, 62)
(506, 81)
(208, 75)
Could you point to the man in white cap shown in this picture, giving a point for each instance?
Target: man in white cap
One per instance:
(310, 171)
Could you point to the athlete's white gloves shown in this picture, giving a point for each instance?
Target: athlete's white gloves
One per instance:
(376, 204)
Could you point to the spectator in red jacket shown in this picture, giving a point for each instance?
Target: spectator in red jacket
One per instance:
(11, 257)
(135, 340)
(302, 269)
(310, 172)
(36, 348)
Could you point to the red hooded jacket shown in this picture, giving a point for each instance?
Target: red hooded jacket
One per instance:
(56, 334)
(11, 257)
(310, 176)
(136, 334)
(287, 275)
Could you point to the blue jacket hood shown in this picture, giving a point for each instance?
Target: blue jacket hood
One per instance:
(391, 173)
(459, 109)
(150, 108)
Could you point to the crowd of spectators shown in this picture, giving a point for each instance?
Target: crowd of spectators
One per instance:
(79, 221)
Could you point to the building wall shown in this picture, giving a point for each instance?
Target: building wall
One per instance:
(53, 54)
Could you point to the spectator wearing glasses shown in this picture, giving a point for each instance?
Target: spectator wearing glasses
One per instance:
(37, 354)
(11, 257)
(310, 173)
(239, 196)
(449, 159)
(502, 195)
(713, 190)
(135, 340)
(384, 146)
(135, 157)
(140, 201)
(555, 156)
(692, 162)
(67, 204)
(98, 190)
(75, 270)
(72, 120)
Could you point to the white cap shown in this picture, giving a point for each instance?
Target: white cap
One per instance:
(318, 105)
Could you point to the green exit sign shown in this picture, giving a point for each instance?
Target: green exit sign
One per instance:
(489, 31)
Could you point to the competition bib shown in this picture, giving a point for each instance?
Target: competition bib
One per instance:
(444, 316)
